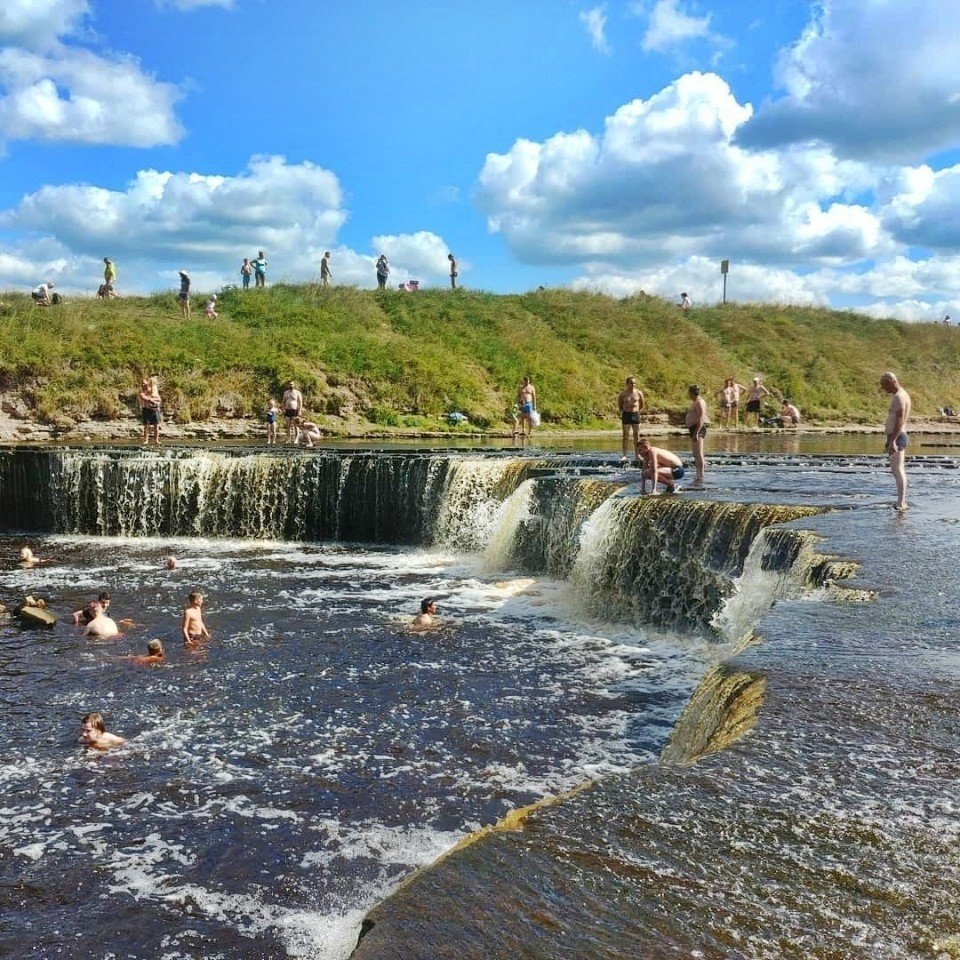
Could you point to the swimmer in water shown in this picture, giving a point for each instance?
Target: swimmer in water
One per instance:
(29, 559)
(193, 628)
(102, 627)
(171, 563)
(427, 616)
(153, 656)
(82, 617)
(93, 733)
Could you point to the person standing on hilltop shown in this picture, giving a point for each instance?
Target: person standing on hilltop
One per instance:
(630, 403)
(183, 298)
(246, 269)
(697, 421)
(383, 271)
(896, 430)
(685, 302)
(109, 276)
(326, 274)
(453, 271)
(260, 270)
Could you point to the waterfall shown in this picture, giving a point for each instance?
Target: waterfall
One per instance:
(667, 561)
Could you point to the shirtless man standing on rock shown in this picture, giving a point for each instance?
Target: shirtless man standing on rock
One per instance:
(896, 430)
(292, 404)
(630, 403)
(659, 466)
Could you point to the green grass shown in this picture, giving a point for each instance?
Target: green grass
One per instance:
(401, 360)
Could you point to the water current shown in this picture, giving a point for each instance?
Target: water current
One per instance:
(285, 781)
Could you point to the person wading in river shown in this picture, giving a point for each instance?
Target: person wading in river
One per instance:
(896, 431)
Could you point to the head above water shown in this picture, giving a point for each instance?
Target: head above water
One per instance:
(428, 605)
(155, 648)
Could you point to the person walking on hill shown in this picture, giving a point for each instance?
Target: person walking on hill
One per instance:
(326, 274)
(453, 271)
(755, 393)
(383, 271)
(895, 429)
(729, 397)
(527, 399)
(246, 269)
(630, 404)
(260, 270)
(183, 298)
(697, 421)
(685, 302)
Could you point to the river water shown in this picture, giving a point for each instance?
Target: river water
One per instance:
(284, 780)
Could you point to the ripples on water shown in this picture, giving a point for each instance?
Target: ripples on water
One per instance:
(281, 780)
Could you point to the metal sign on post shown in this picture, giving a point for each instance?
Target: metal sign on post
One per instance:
(724, 269)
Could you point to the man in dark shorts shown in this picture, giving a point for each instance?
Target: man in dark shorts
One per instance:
(659, 466)
(630, 403)
(756, 392)
(697, 421)
(292, 404)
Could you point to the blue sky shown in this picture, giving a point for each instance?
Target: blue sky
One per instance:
(615, 146)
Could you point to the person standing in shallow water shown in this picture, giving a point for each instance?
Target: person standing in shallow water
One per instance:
(697, 421)
(150, 403)
(527, 401)
(630, 403)
(896, 430)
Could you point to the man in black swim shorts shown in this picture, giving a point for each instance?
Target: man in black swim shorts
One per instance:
(292, 404)
(630, 403)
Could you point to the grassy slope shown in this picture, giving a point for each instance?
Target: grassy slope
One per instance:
(402, 359)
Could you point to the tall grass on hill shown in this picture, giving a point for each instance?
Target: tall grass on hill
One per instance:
(404, 359)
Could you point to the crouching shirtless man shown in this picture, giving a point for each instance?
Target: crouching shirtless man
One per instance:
(659, 466)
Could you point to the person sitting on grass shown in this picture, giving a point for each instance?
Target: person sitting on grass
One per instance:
(210, 310)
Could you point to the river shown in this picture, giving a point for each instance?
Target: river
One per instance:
(281, 783)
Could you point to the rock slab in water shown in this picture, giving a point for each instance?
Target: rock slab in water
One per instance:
(31, 616)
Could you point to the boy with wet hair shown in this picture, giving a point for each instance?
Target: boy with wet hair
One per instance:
(93, 733)
(153, 656)
(193, 628)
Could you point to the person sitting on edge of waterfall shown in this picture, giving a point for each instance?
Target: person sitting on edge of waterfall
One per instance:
(93, 733)
(308, 430)
(630, 404)
(659, 466)
(193, 628)
(426, 618)
(82, 617)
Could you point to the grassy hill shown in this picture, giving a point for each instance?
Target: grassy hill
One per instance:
(398, 359)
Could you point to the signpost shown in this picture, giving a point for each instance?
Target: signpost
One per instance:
(724, 269)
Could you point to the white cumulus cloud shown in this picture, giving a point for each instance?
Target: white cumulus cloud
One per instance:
(595, 21)
(669, 26)
(665, 179)
(873, 78)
